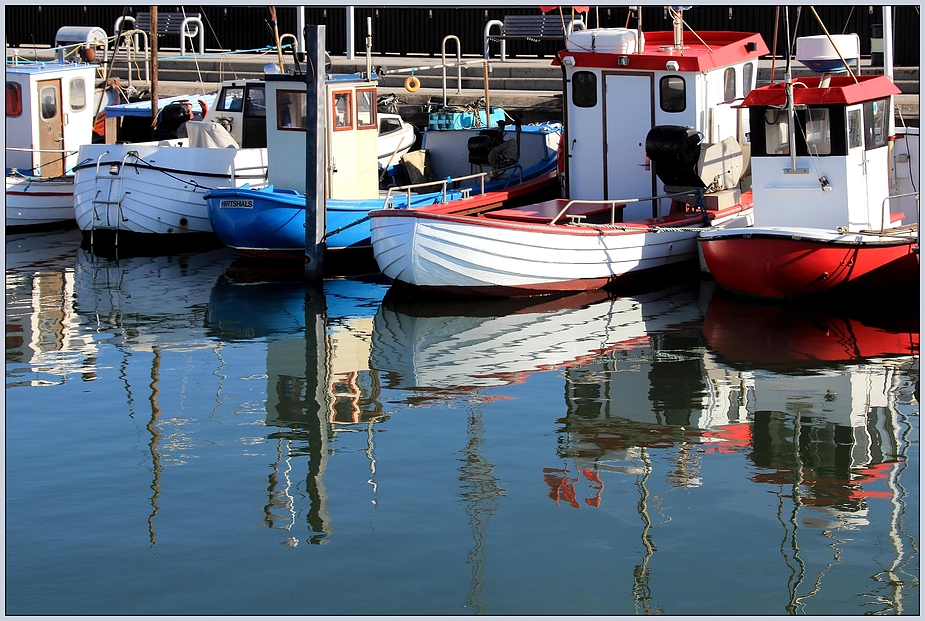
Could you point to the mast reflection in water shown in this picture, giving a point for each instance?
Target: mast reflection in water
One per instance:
(674, 451)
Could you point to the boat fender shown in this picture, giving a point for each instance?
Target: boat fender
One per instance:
(412, 84)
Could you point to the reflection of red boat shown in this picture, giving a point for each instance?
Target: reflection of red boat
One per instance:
(784, 335)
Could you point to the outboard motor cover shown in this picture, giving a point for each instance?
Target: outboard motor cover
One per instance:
(172, 118)
(675, 151)
(482, 144)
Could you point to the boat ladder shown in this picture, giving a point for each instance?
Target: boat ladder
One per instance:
(113, 177)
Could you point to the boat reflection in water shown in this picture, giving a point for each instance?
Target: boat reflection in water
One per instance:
(809, 398)
(319, 383)
(635, 432)
(827, 433)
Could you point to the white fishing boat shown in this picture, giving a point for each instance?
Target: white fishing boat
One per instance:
(50, 112)
(632, 99)
(156, 188)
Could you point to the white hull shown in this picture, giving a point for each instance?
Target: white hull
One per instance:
(466, 254)
(33, 201)
(157, 188)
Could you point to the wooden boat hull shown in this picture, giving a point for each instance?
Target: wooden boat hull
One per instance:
(39, 202)
(157, 189)
(788, 263)
(469, 255)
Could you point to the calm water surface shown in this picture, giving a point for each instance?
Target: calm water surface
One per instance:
(188, 435)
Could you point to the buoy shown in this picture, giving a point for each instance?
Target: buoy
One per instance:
(412, 84)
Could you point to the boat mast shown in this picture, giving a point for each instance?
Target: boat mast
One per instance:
(791, 115)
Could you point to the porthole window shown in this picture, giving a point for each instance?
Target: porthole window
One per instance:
(77, 95)
(13, 99)
(584, 89)
(672, 93)
(729, 84)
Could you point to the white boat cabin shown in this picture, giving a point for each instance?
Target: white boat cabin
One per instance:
(620, 83)
(49, 114)
(240, 106)
(839, 175)
(351, 133)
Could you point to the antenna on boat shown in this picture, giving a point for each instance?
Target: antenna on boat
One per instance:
(677, 16)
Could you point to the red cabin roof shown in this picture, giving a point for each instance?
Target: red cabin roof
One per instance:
(707, 50)
(842, 90)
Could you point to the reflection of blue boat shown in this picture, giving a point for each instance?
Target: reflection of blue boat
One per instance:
(452, 164)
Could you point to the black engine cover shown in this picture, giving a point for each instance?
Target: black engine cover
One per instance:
(675, 151)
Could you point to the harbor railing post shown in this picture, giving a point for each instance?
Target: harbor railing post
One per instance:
(314, 149)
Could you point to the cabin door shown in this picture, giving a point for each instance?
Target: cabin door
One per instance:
(51, 128)
(628, 117)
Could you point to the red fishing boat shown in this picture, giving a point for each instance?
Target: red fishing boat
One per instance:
(831, 213)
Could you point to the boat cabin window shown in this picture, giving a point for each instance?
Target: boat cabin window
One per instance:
(48, 95)
(672, 93)
(77, 95)
(388, 125)
(231, 99)
(776, 131)
(748, 78)
(366, 108)
(584, 89)
(13, 99)
(255, 104)
(291, 110)
(343, 110)
(817, 131)
(729, 84)
(875, 123)
(855, 129)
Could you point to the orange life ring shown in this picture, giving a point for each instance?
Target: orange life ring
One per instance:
(412, 84)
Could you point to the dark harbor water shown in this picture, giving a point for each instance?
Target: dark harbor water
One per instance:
(186, 436)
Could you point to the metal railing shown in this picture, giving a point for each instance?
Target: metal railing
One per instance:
(388, 204)
(885, 213)
(613, 205)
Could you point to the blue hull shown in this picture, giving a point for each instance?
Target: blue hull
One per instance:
(271, 221)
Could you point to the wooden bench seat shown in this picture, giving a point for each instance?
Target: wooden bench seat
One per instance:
(543, 213)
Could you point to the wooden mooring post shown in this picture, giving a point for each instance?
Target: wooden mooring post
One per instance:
(314, 150)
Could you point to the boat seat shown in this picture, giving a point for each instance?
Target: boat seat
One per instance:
(543, 213)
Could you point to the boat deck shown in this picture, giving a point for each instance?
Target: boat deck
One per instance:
(543, 213)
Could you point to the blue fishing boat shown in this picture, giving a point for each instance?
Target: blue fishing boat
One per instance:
(468, 159)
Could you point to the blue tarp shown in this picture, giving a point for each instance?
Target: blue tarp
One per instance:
(143, 108)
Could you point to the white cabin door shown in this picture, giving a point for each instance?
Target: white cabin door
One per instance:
(628, 117)
(51, 128)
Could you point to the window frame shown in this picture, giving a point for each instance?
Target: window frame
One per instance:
(57, 110)
(730, 76)
(581, 90)
(77, 92)
(664, 87)
(13, 106)
(349, 113)
(298, 103)
(374, 117)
